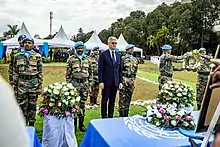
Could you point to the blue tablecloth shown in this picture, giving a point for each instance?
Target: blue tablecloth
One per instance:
(131, 132)
(34, 140)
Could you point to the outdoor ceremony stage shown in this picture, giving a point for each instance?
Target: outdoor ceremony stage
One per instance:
(132, 132)
(34, 140)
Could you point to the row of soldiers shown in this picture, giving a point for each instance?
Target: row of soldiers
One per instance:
(166, 69)
(82, 72)
(25, 75)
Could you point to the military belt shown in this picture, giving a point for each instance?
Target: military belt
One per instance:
(80, 80)
(167, 75)
(127, 75)
(203, 73)
(28, 77)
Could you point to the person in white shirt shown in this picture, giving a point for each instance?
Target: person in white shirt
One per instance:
(12, 124)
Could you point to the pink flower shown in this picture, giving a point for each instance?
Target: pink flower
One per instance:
(158, 106)
(188, 118)
(166, 118)
(162, 110)
(45, 111)
(178, 117)
(42, 109)
(74, 110)
(68, 113)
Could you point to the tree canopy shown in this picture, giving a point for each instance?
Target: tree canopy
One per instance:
(186, 26)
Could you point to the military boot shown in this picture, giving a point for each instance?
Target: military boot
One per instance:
(82, 128)
(31, 124)
(121, 113)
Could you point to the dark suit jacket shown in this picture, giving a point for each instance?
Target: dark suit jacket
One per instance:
(108, 73)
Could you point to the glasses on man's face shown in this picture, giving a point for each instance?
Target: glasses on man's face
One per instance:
(113, 43)
(28, 42)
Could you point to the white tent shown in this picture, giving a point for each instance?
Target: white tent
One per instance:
(61, 39)
(94, 41)
(122, 43)
(13, 42)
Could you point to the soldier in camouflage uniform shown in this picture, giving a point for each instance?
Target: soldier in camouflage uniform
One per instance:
(13, 52)
(202, 77)
(27, 79)
(130, 67)
(79, 73)
(95, 88)
(166, 66)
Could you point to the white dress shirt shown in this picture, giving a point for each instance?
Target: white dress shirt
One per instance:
(111, 54)
(12, 123)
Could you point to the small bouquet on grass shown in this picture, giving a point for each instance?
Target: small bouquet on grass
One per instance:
(177, 94)
(169, 116)
(60, 99)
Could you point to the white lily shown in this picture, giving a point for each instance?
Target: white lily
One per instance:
(173, 122)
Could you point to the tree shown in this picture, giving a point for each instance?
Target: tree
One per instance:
(13, 30)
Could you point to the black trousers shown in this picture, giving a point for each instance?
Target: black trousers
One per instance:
(108, 101)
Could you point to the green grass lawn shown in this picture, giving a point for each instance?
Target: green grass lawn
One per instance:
(55, 72)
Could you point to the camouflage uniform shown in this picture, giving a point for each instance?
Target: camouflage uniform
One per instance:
(10, 71)
(130, 67)
(95, 87)
(202, 78)
(79, 73)
(27, 80)
(166, 68)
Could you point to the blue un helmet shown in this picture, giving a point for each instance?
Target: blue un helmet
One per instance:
(166, 47)
(27, 39)
(78, 44)
(202, 49)
(95, 48)
(130, 46)
(21, 37)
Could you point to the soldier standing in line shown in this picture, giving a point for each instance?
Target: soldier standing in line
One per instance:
(166, 66)
(129, 69)
(13, 52)
(95, 88)
(28, 78)
(79, 73)
(202, 77)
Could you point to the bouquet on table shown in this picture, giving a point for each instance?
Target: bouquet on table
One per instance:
(59, 107)
(177, 94)
(169, 116)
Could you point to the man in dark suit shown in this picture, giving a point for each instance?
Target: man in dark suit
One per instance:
(110, 77)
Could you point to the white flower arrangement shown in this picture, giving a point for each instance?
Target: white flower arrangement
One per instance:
(60, 99)
(178, 94)
(169, 116)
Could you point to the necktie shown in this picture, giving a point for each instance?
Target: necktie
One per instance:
(113, 57)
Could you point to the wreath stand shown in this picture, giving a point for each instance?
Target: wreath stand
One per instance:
(202, 136)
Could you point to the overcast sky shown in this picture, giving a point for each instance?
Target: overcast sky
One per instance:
(72, 14)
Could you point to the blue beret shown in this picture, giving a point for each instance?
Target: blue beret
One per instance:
(22, 37)
(202, 49)
(78, 44)
(95, 48)
(130, 46)
(166, 47)
(27, 39)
